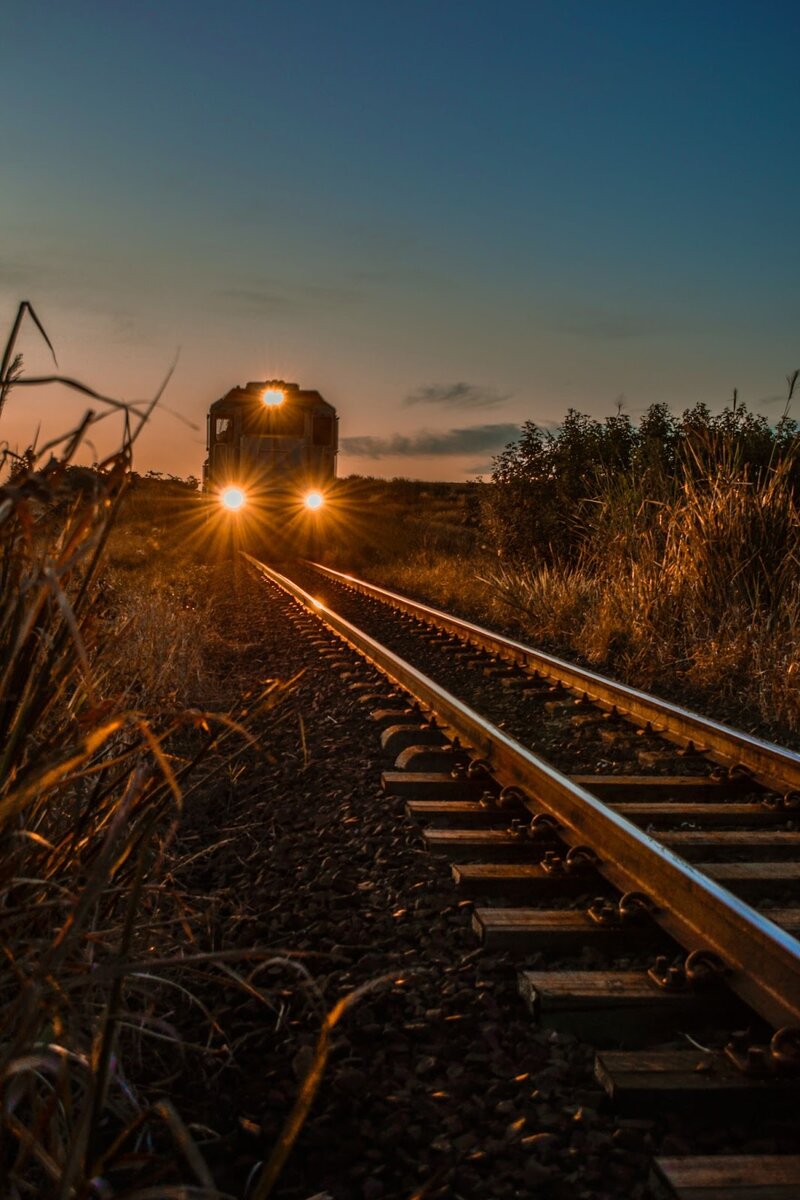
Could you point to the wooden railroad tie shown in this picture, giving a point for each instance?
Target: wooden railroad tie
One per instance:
(609, 1008)
(727, 1177)
(431, 785)
(642, 1079)
(441, 812)
(710, 814)
(557, 930)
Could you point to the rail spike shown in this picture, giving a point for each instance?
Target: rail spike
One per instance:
(700, 969)
(552, 863)
(703, 967)
(479, 768)
(629, 908)
(785, 1050)
(633, 905)
(512, 798)
(579, 858)
(576, 861)
(543, 826)
(780, 1057)
(604, 912)
(517, 828)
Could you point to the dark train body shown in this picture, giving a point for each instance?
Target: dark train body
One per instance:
(289, 445)
(271, 460)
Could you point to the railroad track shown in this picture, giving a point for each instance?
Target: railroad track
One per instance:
(690, 858)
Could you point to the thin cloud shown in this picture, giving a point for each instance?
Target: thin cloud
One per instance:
(456, 395)
(587, 321)
(474, 439)
(289, 301)
(394, 276)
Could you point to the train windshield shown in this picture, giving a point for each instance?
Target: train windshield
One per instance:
(274, 422)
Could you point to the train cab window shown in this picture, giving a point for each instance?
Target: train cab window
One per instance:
(223, 429)
(322, 434)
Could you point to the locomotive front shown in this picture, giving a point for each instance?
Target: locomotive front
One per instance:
(271, 455)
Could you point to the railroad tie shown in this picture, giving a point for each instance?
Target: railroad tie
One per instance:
(553, 930)
(648, 1079)
(607, 1007)
(734, 1177)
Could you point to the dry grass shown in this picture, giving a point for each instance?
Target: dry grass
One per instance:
(371, 522)
(692, 590)
(99, 752)
(156, 588)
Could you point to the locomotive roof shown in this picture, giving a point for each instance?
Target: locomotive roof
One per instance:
(251, 394)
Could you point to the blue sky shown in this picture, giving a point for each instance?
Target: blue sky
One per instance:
(448, 217)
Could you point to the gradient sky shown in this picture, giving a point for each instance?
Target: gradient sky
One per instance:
(448, 217)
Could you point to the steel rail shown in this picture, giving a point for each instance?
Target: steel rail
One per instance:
(762, 960)
(775, 766)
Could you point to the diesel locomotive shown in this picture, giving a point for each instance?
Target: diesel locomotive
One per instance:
(271, 462)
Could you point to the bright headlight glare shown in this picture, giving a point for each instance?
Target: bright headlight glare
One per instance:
(232, 498)
(314, 500)
(272, 397)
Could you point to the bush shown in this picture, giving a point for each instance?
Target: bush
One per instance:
(545, 488)
(666, 552)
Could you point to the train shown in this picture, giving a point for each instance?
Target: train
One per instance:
(271, 465)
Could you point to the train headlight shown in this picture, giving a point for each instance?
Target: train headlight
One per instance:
(313, 500)
(232, 498)
(272, 397)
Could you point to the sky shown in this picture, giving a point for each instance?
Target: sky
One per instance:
(448, 216)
